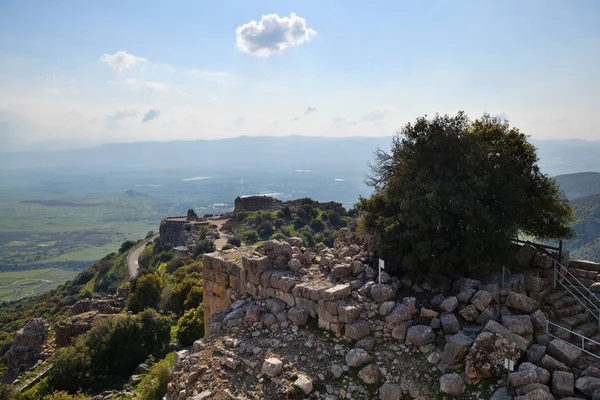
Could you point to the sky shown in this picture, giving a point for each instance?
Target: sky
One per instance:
(76, 73)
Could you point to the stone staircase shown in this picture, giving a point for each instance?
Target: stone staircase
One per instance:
(563, 309)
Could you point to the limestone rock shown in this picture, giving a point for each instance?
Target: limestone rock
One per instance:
(304, 384)
(390, 391)
(272, 366)
(470, 313)
(449, 305)
(419, 335)
(519, 324)
(465, 296)
(298, 316)
(452, 384)
(587, 385)
(481, 300)
(565, 353)
(357, 330)
(563, 383)
(370, 374)
(357, 357)
(381, 292)
(399, 332)
(450, 324)
(456, 348)
(538, 320)
(538, 394)
(522, 303)
(486, 357)
(400, 313)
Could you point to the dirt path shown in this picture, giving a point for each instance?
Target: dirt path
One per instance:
(222, 241)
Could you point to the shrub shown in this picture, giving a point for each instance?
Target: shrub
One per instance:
(177, 263)
(62, 395)
(203, 247)
(335, 219)
(298, 223)
(278, 223)
(146, 292)
(190, 327)
(154, 383)
(265, 229)
(71, 368)
(286, 211)
(251, 236)
(128, 244)
(317, 225)
(278, 236)
(235, 241)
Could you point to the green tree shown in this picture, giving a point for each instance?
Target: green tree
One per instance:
(235, 241)
(317, 225)
(251, 236)
(265, 229)
(126, 245)
(190, 327)
(146, 292)
(452, 193)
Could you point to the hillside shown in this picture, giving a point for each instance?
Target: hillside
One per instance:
(587, 243)
(579, 185)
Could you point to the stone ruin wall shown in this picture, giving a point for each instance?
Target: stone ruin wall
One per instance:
(256, 203)
(277, 275)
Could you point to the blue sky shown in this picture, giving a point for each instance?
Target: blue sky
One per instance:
(103, 71)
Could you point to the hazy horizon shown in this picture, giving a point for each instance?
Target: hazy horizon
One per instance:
(207, 71)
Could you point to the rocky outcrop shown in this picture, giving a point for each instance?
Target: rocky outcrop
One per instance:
(28, 345)
(69, 328)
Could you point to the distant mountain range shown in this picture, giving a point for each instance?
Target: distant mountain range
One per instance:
(556, 156)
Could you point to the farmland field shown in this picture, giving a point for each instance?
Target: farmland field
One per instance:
(15, 285)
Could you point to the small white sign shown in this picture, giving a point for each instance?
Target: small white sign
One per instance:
(509, 364)
(381, 264)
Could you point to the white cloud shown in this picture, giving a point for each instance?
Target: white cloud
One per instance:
(310, 109)
(342, 121)
(239, 121)
(135, 84)
(121, 60)
(121, 113)
(273, 34)
(150, 115)
(295, 119)
(376, 115)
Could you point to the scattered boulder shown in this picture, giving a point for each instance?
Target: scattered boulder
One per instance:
(449, 323)
(419, 335)
(298, 316)
(357, 330)
(563, 383)
(272, 366)
(521, 302)
(381, 292)
(587, 384)
(481, 300)
(357, 357)
(449, 305)
(486, 357)
(456, 348)
(452, 384)
(563, 352)
(390, 391)
(370, 374)
(470, 313)
(304, 384)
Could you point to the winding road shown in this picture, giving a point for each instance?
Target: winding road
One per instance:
(132, 259)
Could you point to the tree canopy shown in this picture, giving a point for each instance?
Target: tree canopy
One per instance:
(451, 193)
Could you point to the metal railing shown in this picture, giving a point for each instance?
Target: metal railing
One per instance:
(584, 295)
(584, 339)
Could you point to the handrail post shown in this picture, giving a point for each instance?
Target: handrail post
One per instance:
(555, 277)
(560, 249)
